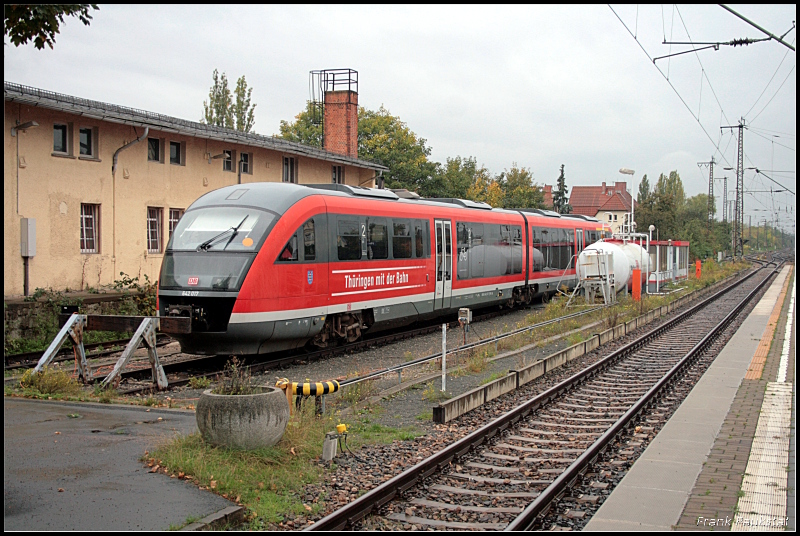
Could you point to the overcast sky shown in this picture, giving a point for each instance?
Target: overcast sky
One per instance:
(536, 85)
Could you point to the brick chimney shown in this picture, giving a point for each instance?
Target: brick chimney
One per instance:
(340, 126)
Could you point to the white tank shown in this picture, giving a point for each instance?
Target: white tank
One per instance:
(626, 258)
(638, 259)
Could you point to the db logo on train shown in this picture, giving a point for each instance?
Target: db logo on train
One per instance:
(194, 281)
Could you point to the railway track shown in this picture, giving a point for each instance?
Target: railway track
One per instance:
(181, 372)
(509, 473)
(93, 350)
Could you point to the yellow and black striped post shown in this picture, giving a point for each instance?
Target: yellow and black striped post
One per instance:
(308, 388)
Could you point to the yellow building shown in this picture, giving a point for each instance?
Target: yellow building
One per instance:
(99, 187)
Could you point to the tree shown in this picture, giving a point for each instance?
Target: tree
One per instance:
(673, 186)
(386, 140)
(41, 22)
(486, 189)
(456, 177)
(303, 129)
(519, 190)
(243, 112)
(560, 200)
(222, 111)
(644, 190)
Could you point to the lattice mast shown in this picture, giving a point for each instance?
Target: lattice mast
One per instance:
(710, 189)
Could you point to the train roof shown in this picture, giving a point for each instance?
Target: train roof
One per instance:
(580, 217)
(278, 197)
(274, 196)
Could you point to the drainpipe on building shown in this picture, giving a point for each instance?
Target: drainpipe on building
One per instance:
(114, 197)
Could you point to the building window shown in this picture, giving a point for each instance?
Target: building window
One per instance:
(227, 161)
(174, 215)
(337, 174)
(177, 153)
(289, 169)
(61, 139)
(154, 229)
(87, 142)
(90, 227)
(153, 150)
(244, 162)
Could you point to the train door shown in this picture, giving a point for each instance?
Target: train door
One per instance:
(579, 233)
(444, 263)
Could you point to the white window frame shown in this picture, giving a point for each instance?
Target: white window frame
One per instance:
(246, 163)
(337, 174)
(181, 152)
(155, 215)
(174, 216)
(161, 150)
(67, 139)
(90, 228)
(227, 163)
(290, 169)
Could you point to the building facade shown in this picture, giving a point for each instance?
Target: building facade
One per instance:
(100, 187)
(609, 204)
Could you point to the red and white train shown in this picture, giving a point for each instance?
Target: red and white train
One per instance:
(263, 267)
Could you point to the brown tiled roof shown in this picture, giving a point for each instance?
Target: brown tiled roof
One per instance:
(589, 200)
(615, 202)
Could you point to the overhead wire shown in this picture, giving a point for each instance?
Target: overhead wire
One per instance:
(776, 93)
(702, 68)
(666, 77)
(768, 83)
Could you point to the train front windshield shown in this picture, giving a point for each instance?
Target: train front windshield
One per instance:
(220, 229)
(212, 248)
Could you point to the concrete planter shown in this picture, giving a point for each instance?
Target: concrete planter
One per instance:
(243, 421)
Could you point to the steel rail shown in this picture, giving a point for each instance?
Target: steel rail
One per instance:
(554, 491)
(380, 495)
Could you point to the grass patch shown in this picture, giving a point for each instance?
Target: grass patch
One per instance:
(432, 394)
(495, 376)
(106, 396)
(199, 382)
(268, 481)
(477, 361)
(354, 393)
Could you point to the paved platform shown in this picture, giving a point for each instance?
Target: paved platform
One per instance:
(691, 475)
(75, 466)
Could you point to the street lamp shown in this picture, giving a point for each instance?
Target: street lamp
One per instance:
(626, 171)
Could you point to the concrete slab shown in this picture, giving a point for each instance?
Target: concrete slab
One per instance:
(94, 460)
(668, 476)
(678, 450)
(651, 506)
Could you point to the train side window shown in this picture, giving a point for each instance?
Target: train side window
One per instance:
(571, 251)
(537, 255)
(421, 234)
(378, 240)
(516, 249)
(348, 240)
(309, 241)
(289, 252)
(401, 239)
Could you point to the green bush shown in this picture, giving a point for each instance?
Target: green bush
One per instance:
(49, 382)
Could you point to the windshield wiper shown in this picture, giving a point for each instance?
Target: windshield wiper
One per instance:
(207, 244)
